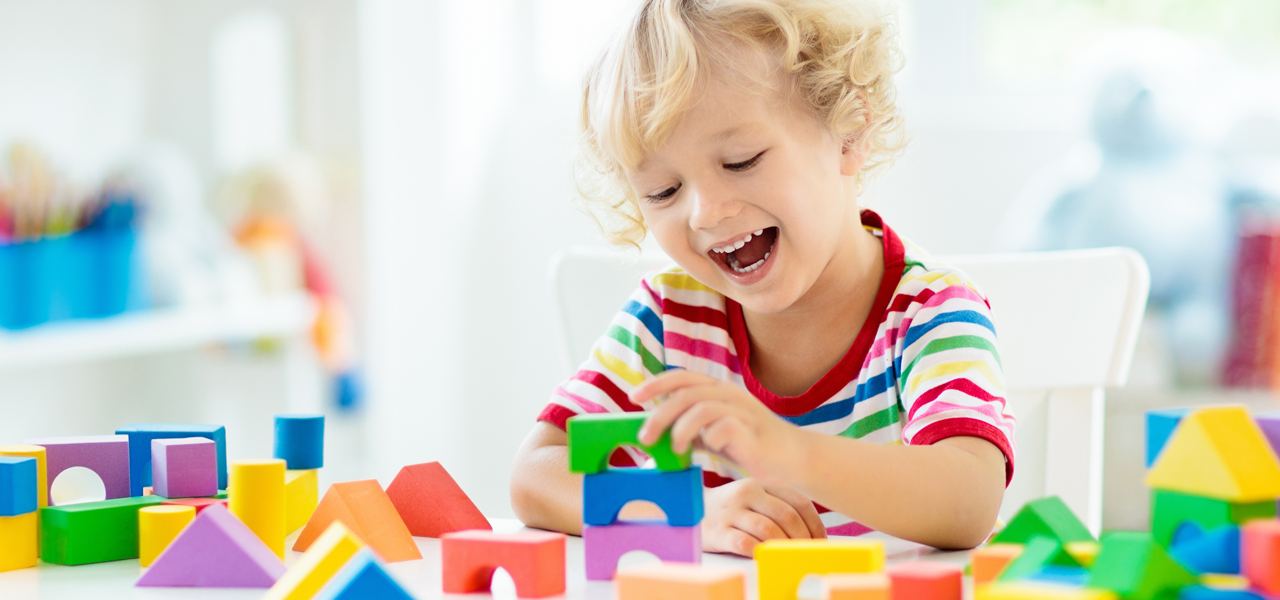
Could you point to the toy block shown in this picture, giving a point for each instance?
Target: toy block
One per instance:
(1218, 453)
(1224, 581)
(18, 541)
(184, 467)
(534, 559)
(605, 544)
(856, 586)
(1269, 423)
(1217, 551)
(363, 578)
(216, 550)
(1171, 511)
(257, 499)
(42, 469)
(1040, 591)
(1260, 562)
(677, 493)
(1072, 576)
(1084, 552)
(141, 435)
(92, 532)
(593, 437)
(1136, 568)
(301, 494)
(922, 580)
(680, 580)
(18, 483)
(364, 508)
(323, 559)
(198, 503)
(105, 455)
(1037, 554)
(431, 503)
(1160, 425)
(300, 441)
(1047, 516)
(781, 564)
(157, 528)
(986, 563)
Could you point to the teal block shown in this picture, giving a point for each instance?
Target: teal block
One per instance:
(19, 491)
(141, 434)
(362, 578)
(1160, 425)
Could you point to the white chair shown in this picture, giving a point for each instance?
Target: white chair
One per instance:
(1067, 324)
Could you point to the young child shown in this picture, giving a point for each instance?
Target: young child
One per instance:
(832, 377)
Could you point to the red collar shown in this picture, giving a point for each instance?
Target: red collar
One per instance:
(849, 366)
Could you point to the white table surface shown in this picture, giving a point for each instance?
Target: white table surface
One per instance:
(106, 581)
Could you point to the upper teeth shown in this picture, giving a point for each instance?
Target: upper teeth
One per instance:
(738, 244)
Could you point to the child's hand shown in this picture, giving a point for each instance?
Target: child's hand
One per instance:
(744, 513)
(724, 419)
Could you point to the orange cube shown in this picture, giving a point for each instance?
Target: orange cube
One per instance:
(986, 563)
(856, 586)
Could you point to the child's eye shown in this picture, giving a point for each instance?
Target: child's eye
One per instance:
(746, 164)
(664, 194)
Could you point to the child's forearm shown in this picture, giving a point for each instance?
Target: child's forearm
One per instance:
(544, 494)
(945, 495)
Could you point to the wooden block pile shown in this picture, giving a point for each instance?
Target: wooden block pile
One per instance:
(1215, 481)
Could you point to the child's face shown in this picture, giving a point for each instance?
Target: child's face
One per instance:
(758, 175)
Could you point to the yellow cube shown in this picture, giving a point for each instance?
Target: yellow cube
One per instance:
(301, 494)
(782, 564)
(18, 541)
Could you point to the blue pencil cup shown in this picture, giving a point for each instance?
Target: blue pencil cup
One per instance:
(89, 274)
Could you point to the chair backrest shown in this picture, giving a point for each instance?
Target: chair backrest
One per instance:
(1067, 323)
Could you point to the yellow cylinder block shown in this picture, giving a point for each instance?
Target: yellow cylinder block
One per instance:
(256, 496)
(157, 528)
(42, 470)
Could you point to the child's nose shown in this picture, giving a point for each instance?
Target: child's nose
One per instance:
(711, 205)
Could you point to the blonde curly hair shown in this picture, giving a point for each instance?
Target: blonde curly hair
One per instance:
(840, 57)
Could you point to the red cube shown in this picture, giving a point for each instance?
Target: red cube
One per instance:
(922, 580)
(1260, 554)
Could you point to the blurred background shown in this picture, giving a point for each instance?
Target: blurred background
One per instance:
(218, 210)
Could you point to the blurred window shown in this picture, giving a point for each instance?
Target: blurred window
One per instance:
(1032, 41)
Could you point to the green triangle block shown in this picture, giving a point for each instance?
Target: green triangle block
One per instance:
(1040, 552)
(1048, 517)
(1133, 566)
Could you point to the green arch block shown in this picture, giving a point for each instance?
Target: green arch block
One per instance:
(593, 437)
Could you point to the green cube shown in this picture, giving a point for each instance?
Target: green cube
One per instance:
(1133, 566)
(92, 532)
(593, 437)
(1170, 510)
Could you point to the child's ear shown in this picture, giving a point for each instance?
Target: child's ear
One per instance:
(853, 154)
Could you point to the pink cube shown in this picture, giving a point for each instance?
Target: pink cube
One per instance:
(184, 467)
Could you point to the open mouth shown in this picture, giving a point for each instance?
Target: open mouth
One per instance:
(751, 255)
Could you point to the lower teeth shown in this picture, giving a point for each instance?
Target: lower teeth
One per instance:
(753, 266)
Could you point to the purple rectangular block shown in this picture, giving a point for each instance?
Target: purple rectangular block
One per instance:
(605, 544)
(105, 455)
(184, 467)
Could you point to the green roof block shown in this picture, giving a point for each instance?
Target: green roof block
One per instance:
(593, 437)
(1048, 517)
(92, 532)
(1133, 566)
(1040, 552)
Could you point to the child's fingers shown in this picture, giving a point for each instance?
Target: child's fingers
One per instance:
(728, 539)
(783, 514)
(691, 423)
(666, 383)
(759, 526)
(678, 401)
(803, 507)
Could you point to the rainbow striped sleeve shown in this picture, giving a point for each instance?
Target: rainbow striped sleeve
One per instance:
(629, 353)
(949, 372)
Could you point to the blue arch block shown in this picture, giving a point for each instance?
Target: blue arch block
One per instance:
(1216, 551)
(141, 434)
(300, 440)
(18, 485)
(677, 493)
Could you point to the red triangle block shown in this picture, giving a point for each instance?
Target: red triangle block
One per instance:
(215, 550)
(431, 503)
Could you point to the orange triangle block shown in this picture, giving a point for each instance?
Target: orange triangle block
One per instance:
(431, 503)
(1218, 453)
(367, 511)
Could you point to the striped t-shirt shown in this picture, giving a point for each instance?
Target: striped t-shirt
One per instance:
(924, 367)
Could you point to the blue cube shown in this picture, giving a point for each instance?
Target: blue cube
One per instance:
(142, 434)
(300, 441)
(17, 485)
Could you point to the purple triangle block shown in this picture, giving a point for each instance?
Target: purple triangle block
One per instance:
(215, 550)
